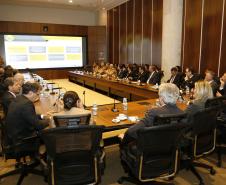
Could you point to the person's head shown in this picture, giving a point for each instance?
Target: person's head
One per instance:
(1, 71)
(11, 85)
(71, 99)
(168, 93)
(146, 67)
(141, 69)
(174, 71)
(203, 91)
(102, 64)
(31, 90)
(209, 75)
(18, 77)
(224, 77)
(152, 68)
(188, 72)
(179, 69)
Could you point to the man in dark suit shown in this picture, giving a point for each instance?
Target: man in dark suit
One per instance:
(190, 78)
(168, 95)
(175, 77)
(143, 74)
(21, 119)
(122, 71)
(209, 77)
(153, 78)
(12, 89)
(222, 89)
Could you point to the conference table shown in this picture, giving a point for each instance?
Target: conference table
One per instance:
(122, 88)
(105, 115)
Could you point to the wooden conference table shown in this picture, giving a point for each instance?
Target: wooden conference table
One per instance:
(105, 115)
(130, 90)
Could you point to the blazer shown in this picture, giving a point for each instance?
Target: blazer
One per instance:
(177, 80)
(223, 91)
(122, 74)
(155, 78)
(21, 119)
(143, 77)
(7, 98)
(191, 81)
(194, 107)
(215, 87)
(148, 121)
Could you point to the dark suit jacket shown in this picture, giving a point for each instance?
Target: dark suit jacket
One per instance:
(7, 98)
(223, 91)
(194, 107)
(215, 87)
(122, 74)
(155, 78)
(148, 121)
(143, 77)
(177, 80)
(21, 120)
(191, 82)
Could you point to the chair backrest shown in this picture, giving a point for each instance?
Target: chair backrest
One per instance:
(163, 119)
(27, 147)
(71, 120)
(73, 153)
(215, 102)
(203, 130)
(158, 150)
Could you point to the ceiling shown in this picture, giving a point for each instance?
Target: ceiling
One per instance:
(74, 4)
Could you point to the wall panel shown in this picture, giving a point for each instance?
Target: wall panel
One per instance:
(203, 35)
(110, 35)
(116, 35)
(211, 35)
(123, 34)
(140, 32)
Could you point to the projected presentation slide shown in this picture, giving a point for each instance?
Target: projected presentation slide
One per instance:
(29, 51)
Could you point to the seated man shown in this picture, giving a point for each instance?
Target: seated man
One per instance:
(222, 89)
(175, 77)
(168, 95)
(209, 77)
(12, 89)
(190, 78)
(153, 75)
(143, 74)
(22, 120)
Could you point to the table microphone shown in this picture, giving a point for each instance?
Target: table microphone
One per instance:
(84, 99)
(55, 88)
(114, 109)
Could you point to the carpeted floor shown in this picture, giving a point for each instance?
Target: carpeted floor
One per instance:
(114, 170)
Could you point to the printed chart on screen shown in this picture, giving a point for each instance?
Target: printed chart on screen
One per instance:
(30, 51)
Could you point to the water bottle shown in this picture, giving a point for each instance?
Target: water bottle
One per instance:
(94, 109)
(124, 104)
(187, 90)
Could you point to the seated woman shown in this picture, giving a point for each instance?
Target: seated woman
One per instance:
(72, 105)
(202, 92)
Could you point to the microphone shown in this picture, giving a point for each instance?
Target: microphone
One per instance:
(114, 109)
(55, 88)
(84, 99)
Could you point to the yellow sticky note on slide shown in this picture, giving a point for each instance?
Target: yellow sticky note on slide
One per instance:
(17, 49)
(73, 56)
(55, 49)
(34, 58)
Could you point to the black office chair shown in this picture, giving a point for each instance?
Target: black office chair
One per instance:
(71, 120)
(202, 139)
(154, 155)
(221, 124)
(163, 119)
(28, 147)
(74, 154)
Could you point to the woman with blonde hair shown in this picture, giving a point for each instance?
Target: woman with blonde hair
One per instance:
(202, 92)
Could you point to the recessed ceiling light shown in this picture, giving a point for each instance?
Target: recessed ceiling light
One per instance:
(103, 8)
(70, 1)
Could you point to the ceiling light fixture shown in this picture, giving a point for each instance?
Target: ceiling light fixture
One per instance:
(70, 1)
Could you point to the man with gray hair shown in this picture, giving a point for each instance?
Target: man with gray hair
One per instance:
(168, 95)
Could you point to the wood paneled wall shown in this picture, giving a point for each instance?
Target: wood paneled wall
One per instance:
(96, 36)
(204, 36)
(135, 32)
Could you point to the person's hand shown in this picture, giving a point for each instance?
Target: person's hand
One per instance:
(222, 83)
(218, 94)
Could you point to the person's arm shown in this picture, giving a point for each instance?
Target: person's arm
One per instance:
(29, 114)
(148, 120)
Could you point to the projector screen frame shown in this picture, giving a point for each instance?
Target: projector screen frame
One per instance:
(84, 49)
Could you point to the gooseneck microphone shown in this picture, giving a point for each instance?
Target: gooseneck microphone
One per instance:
(84, 99)
(114, 109)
